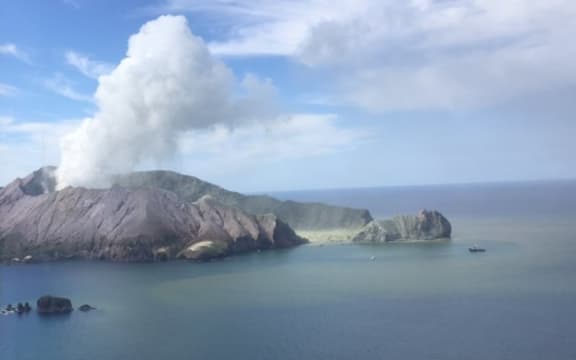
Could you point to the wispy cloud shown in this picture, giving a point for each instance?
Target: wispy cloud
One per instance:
(7, 90)
(86, 66)
(36, 130)
(28, 145)
(12, 50)
(225, 150)
(73, 3)
(5, 121)
(62, 86)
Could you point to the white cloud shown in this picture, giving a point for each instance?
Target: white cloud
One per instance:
(86, 66)
(7, 90)
(62, 86)
(12, 50)
(446, 55)
(401, 54)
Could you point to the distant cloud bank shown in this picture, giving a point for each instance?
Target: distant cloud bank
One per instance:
(410, 55)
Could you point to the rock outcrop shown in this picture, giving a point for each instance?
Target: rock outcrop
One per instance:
(427, 225)
(48, 304)
(86, 308)
(124, 224)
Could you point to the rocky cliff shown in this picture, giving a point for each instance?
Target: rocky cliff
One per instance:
(126, 224)
(427, 225)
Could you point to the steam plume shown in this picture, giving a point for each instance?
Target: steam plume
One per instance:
(167, 84)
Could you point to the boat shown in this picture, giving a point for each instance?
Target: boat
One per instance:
(475, 249)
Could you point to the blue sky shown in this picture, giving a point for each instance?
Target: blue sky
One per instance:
(362, 93)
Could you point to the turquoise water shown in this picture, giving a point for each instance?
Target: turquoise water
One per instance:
(415, 301)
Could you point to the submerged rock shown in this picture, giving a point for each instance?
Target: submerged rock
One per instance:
(48, 304)
(426, 225)
(86, 308)
(11, 309)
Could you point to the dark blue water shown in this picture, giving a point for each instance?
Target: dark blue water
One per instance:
(416, 301)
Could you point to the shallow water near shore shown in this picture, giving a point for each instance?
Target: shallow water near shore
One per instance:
(414, 301)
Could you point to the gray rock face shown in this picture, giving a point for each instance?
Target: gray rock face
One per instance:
(123, 224)
(301, 216)
(48, 304)
(427, 225)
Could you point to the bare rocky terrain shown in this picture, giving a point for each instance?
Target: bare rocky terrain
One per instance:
(300, 216)
(126, 224)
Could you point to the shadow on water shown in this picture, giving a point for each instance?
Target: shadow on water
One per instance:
(157, 271)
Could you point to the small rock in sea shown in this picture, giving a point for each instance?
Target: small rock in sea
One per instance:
(15, 260)
(86, 307)
(27, 259)
(27, 307)
(10, 308)
(48, 304)
(162, 254)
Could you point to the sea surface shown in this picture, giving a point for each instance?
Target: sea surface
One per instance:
(415, 301)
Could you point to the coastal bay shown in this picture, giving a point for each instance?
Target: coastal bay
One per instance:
(330, 302)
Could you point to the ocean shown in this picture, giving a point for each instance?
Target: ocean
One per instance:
(415, 301)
